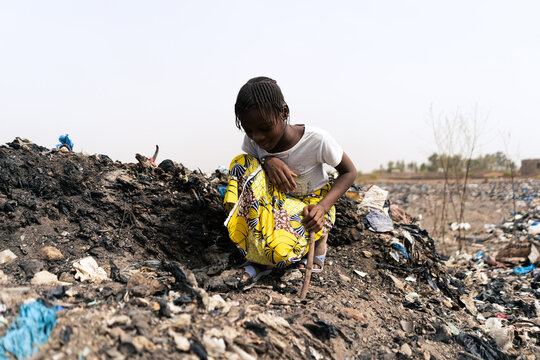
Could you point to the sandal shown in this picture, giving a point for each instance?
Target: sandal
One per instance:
(317, 260)
(254, 276)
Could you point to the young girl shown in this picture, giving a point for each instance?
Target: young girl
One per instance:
(279, 192)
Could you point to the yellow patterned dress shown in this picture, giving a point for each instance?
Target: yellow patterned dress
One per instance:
(264, 223)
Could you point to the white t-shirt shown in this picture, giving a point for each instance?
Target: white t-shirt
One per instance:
(306, 159)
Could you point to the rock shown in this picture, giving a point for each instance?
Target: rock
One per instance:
(66, 277)
(407, 326)
(353, 314)
(50, 253)
(355, 234)
(142, 285)
(142, 343)
(406, 350)
(31, 267)
(344, 278)
(181, 322)
(44, 278)
(367, 254)
(7, 256)
(181, 342)
(213, 345)
(118, 320)
(3, 278)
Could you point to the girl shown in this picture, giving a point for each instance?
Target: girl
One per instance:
(278, 192)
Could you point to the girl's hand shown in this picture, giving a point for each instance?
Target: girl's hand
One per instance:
(313, 217)
(280, 174)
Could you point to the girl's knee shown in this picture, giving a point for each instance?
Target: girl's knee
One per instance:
(244, 160)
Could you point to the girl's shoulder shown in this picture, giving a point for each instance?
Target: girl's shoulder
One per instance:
(311, 131)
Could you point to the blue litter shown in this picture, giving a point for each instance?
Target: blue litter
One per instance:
(401, 249)
(29, 331)
(480, 255)
(379, 222)
(222, 190)
(524, 269)
(65, 141)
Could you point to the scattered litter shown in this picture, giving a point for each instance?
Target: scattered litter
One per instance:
(29, 331)
(88, 269)
(379, 222)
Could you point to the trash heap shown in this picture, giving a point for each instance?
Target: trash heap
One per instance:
(121, 261)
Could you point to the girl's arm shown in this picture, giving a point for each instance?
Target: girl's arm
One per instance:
(314, 214)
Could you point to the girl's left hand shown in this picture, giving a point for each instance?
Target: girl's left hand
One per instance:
(313, 217)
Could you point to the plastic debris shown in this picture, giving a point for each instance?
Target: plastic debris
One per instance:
(401, 248)
(461, 226)
(65, 142)
(29, 331)
(481, 348)
(88, 269)
(534, 228)
(375, 198)
(379, 222)
(524, 269)
(503, 336)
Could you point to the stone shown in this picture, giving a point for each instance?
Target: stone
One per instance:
(31, 267)
(50, 253)
(406, 350)
(344, 278)
(6, 256)
(407, 326)
(367, 254)
(181, 342)
(142, 285)
(44, 278)
(142, 343)
(3, 278)
(353, 314)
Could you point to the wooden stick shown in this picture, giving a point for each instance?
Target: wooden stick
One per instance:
(309, 266)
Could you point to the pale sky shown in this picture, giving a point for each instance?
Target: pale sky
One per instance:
(122, 76)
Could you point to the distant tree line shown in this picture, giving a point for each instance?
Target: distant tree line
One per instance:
(456, 163)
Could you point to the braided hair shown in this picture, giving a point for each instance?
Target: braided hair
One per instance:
(265, 94)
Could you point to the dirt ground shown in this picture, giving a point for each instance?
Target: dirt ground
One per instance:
(169, 290)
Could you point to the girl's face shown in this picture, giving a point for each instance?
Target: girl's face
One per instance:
(266, 133)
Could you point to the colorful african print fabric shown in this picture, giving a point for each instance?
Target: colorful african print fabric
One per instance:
(264, 223)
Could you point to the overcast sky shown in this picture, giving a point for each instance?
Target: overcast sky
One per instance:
(122, 76)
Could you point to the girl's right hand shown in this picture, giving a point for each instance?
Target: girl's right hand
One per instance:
(280, 174)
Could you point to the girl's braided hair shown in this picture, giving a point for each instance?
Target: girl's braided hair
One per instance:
(264, 93)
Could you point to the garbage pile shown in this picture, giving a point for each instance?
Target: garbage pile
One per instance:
(117, 261)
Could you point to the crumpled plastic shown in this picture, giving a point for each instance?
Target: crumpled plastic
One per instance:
(379, 222)
(29, 331)
(88, 269)
(481, 348)
(65, 141)
(524, 269)
(375, 198)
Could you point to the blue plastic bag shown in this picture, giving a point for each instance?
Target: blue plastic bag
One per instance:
(524, 269)
(65, 141)
(29, 331)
